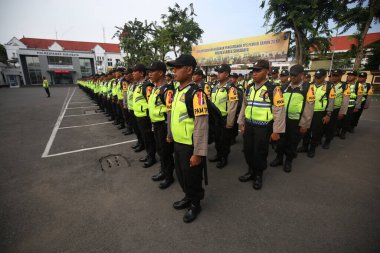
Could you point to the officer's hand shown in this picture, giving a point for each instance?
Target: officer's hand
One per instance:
(228, 127)
(169, 140)
(340, 116)
(195, 160)
(303, 130)
(242, 128)
(356, 110)
(124, 106)
(326, 120)
(275, 136)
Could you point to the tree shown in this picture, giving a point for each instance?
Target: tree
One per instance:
(308, 19)
(362, 17)
(373, 56)
(3, 54)
(181, 29)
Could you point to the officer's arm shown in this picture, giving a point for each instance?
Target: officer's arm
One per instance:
(359, 97)
(232, 103)
(200, 134)
(241, 118)
(345, 101)
(168, 101)
(308, 112)
(369, 98)
(331, 97)
(278, 110)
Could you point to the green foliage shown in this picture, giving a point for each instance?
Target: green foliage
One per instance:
(373, 53)
(3, 54)
(145, 42)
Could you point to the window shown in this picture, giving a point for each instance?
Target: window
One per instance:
(58, 60)
(117, 62)
(34, 69)
(109, 62)
(85, 67)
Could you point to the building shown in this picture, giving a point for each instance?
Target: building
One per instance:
(60, 61)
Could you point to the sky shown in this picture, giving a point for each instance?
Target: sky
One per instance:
(84, 20)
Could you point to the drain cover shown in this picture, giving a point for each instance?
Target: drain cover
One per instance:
(112, 162)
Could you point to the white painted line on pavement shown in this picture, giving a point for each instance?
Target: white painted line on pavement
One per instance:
(78, 115)
(107, 122)
(373, 120)
(58, 123)
(81, 107)
(92, 148)
(89, 101)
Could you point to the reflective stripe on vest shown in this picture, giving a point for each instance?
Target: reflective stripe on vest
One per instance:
(352, 95)
(320, 98)
(219, 98)
(157, 110)
(365, 92)
(258, 110)
(294, 101)
(181, 125)
(140, 105)
(130, 96)
(339, 95)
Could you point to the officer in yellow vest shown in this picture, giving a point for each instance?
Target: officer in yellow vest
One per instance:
(118, 97)
(140, 108)
(274, 76)
(356, 94)
(198, 79)
(323, 108)
(189, 130)
(126, 81)
(367, 94)
(241, 82)
(225, 97)
(342, 97)
(284, 78)
(45, 84)
(299, 99)
(240, 86)
(262, 118)
(159, 106)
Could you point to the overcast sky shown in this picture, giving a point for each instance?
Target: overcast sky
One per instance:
(83, 20)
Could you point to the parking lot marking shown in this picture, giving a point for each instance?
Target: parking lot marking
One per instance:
(77, 115)
(58, 123)
(86, 149)
(82, 102)
(81, 107)
(107, 122)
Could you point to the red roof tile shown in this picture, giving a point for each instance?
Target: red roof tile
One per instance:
(69, 45)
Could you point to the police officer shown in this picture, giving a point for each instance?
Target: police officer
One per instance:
(367, 94)
(284, 78)
(198, 79)
(45, 84)
(126, 82)
(140, 108)
(299, 104)
(342, 97)
(118, 97)
(307, 78)
(323, 107)
(240, 88)
(189, 133)
(225, 97)
(356, 94)
(262, 118)
(159, 106)
(241, 83)
(274, 76)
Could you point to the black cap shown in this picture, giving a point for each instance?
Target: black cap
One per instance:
(240, 74)
(223, 68)
(198, 72)
(284, 72)
(363, 74)
(169, 75)
(320, 73)
(275, 71)
(139, 67)
(127, 71)
(336, 72)
(352, 72)
(234, 75)
(183, 60)
(119, 69)
(157, 65)
(295, 70)
(260, 64)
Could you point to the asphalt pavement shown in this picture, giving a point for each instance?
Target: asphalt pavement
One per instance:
(70, 182)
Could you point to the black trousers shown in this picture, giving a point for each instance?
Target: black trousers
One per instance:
(256, 147)
(190, 179)
(47, 91)
(288, 143)
(314, 133)
(222, 138)
(136, 129)
(163, 148)
(145, 127)
(356, 116)
(331, 127)
(119, 114)
(346, 126)
(127, 118)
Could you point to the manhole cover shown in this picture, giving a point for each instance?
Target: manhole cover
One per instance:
(112, 162)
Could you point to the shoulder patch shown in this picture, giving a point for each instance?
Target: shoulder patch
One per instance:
(347, 91)
(310, 96)
(278, 99)
(232, 94)
(200, 104)
(360, 89)
(370, 92)
(169, 99)
(332, 93)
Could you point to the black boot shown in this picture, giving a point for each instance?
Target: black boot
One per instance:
(288, 166)
(166, 183)
(342, 135)
(326, 145)
(311, 152)
(158, 177)
(149, 162)
(302, 149)
(192, 213)
(139, 148)
(278, 161)
(214, 159)
(182, 204)
(258, 183)
(222, 163)
(246, 177)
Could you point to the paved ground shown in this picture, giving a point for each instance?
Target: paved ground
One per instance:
(55, 196)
